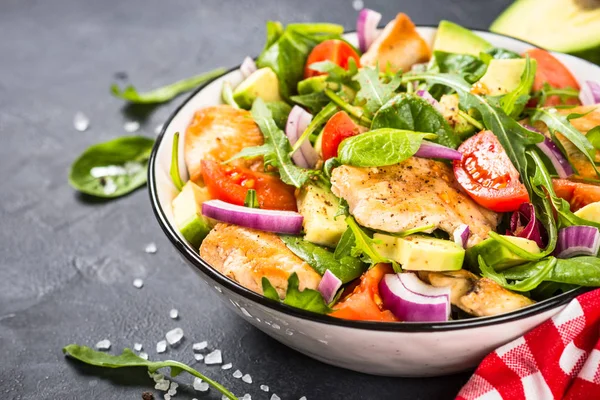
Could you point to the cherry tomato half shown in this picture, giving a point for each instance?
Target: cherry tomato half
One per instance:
(231, 184)
(551, 71)
(578, 194)
(339, 127)
(334, 50)
(487, 174)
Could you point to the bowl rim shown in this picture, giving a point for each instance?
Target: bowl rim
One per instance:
(194, 258)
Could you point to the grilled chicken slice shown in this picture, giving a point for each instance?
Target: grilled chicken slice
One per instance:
(218, 133)
(246, 255)
(481, 297)
(399, 45)
(584, 125)
(412, 194)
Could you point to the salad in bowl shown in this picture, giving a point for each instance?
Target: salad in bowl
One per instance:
(423, 176)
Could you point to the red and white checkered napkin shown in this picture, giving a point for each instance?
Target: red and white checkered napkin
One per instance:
(560, 359)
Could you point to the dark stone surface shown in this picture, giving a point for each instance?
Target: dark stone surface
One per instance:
(67, 262)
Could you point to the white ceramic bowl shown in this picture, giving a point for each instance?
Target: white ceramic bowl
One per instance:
(392, 349)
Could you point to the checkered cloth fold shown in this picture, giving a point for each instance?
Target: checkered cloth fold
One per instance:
(559, 359)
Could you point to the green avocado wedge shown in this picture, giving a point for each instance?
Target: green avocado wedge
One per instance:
(568, 26)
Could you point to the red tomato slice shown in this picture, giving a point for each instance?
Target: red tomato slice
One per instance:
(334, 50)
(339, 127)
(487, 174)
(231, 184)
(578, 194)
(364, 303)
(553, 72)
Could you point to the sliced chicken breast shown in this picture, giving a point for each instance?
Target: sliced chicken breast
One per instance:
(480, 297)
(399, 45)
(412, 194)
(246, 255)
(218, 133)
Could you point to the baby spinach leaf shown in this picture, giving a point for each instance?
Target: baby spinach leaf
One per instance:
(280, 111)
(593, 136)
(112, 169)
(268, 289)
(315, 102)
(525, 285)
(413, 113)
(374, 93)
(471, 68)
(251, 200)
(308, 299)
(174, 170)
(514, 102)
(274, 31)
(346, 268)
(164, 93)
(582, 271)
(381, 147)
(129, 359)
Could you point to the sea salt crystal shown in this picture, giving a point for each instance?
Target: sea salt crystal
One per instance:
(157, 377)
(81, 122)
(199, 357)
(103, 344)
(275, 397)
(247, 378)
(158, 129)
(264, 388)
(199, 385)
(200, 346)
(246, 397)
(213, 358)
(138, 283)
(302, 398)
(162, 385)
(174, 313)
(227, 366)
(137, 346)
(237, 374)
(224, 397)
(161, 346)
(358, 5)
(131, 126)
(150, 248)
(174, 386)
(174, 336)
(167, 396)
(144, 355)
(171, 392)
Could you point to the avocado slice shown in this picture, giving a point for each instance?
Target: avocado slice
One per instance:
(568, 26)
(421, 253)
(591, 212)
(187, 212)
(453, 38)
(319, 205)
(450, 111)
(499, 257)
(262, 83)
(503, 75)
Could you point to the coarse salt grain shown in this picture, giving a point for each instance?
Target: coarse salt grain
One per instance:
(131, 126)
(200, 346)
(174, 314)
(199, 385)
(103, 344)
(247, 378)
(137, 346)
(275, 397)
(213, 358)
(161, 346)
(199, 357)
(151, 248)
(158, 129)
(358, 5)
(144, 355)
(138, 283)
(174, 336)
(162, 385)
(264, 388)
(237, 374)
(302, 398)
(227, 366)
(81, 122)
(246, 397)
(167, 396)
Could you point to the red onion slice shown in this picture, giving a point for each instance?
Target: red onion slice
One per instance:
(366, 28)
(296, 124)
(412, 300)
(461, 235)
(434, 150)
(590, 93)
(264, 220)
(578, 241)
(427, 96)
(524, 224)
(248, 67)
(329, 286)
(560, 163)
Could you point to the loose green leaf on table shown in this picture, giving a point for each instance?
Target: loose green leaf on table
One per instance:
(374, 93)
(112, 169)
(129, 359)
(413, 113)
(381, 147)
(346, 268)
(174, 170)
(164, 93)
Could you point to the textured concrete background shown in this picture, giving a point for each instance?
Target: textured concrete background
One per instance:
(67, 262)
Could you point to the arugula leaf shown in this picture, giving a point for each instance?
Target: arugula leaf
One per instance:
(413, 113)
(308, 299)
(280, 111)
(581, 271)
(514, 102)
(112, 169)
(251, 200)
(345, 245)
(128, 359)
(320, 119)
(164, 93)
(337, 74)
(356, 112)
(524, 285)
(277, 148)
(174, 170)
(315, 102)
(268, 289)
(381, 147)
(346, 268)
(363, 245)
(227, 95)
(373, 92)
(563, 94)
(559, 123)
(471, 68)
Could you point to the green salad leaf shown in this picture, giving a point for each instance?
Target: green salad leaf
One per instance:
(251, 200)
(307, 299)
(274, 30)
(318, 120)
(593, 136)
(280, 110)
(315, 101)
(471, 68)
(524, 285)
(174, 170)
(337, 74)
(227, 95)
(374, 93)
(112, 169)
(514, 102)
(413, 113)
(581, 271)
(128, 359)
(268, 290)
(346, 268)
(164, 93)
(364, 245)
(381, 147)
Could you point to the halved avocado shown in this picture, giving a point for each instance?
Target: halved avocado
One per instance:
(569, 26)
(453, 38)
